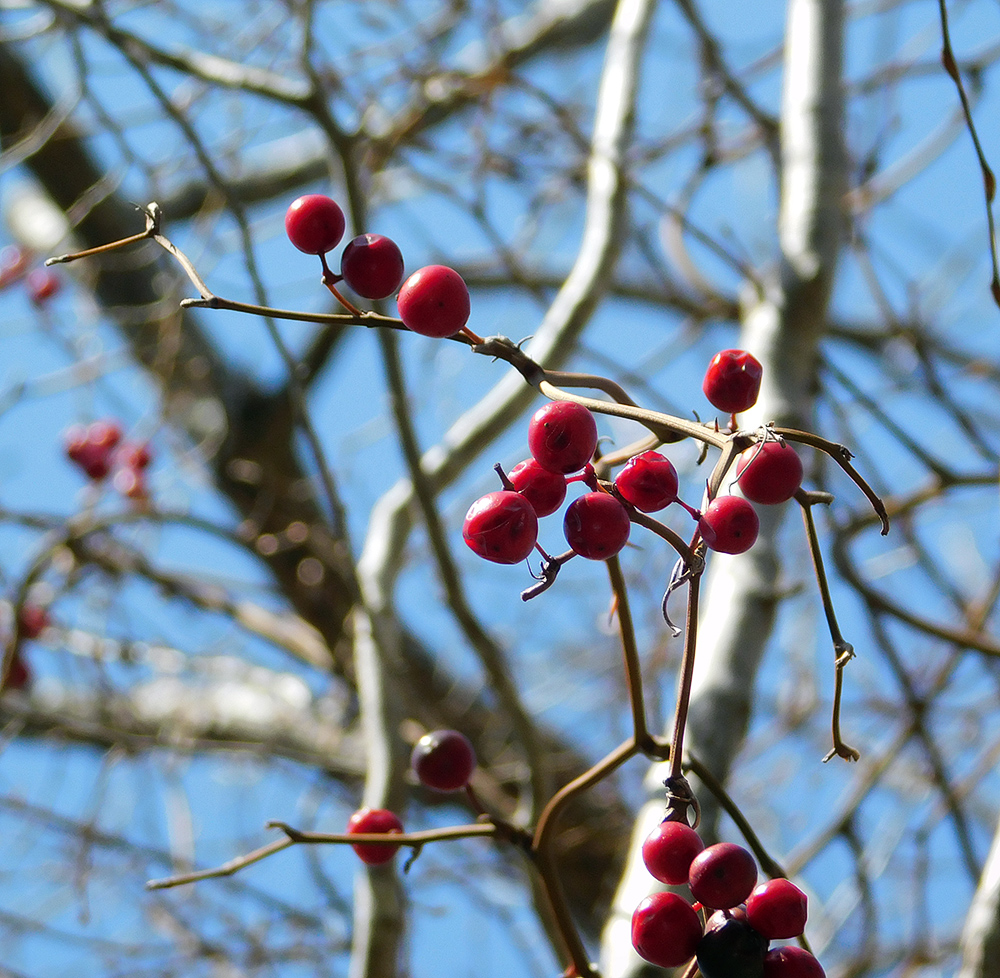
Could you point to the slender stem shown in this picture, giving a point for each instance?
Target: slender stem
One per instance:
(633, 674)
(842, 649)
(687, 674)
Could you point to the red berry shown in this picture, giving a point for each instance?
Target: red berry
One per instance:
(545, 490)
(134, 456)
(722, 876)
(732, 381)
(434, 301)
(19, 675)
(131, 483)
(42, 284)
(769, 472)
(314, 224)
(443, 760)
(14, 262)
(648, 482)
(501, 526)
(374, 821)
(777, 909)
(596, 526)
(729, 525)
(91, 448)
(372, 265)
(792, 962)
(731, 947)
(669, 850)
(33, 620)
(562, 436)
(665, 930)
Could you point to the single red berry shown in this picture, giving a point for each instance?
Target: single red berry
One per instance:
(792, 961)
(769, 472)
(443, 760)
(42, 284)
(777, 909)
(132, 483)
(731, 947)
(648, 482)
(562, 436)
(434, 301)
(722, 876)
(33, 620)
(133, 456)
(669, 850)
(19, 676)
(665, 930)
(91, 448)
(315, 224)
(374, 821)
(545, 490)
(501, 526)
(14, 262)
(596, 525)
(372, 265)
(732, 381)
(729, 525)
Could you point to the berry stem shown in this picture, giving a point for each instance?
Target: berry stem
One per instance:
(843, 650)
(633, 675)
(687, 674)
(328, 280)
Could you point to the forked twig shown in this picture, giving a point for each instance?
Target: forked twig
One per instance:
(842, 649)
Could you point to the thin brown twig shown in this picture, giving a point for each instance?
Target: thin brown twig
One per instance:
(843, 650)
(989, 180)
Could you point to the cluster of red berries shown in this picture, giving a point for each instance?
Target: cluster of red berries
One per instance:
(15, 265)
(734, 940)
(442, 760)
(98, 449)
(433, 301)
(502, 526)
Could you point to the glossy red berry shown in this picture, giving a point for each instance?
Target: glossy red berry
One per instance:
(777, 909)
(648, 481)
(374, 821)
(791, 961)
(722, 876)
(669, 850)
(562, 436)
(434, 301)
(596, 525)
(33, 620)
(665, 930)
(42, 285)
(501, 526)
(769, 473)
(729, 525)
(372, 265)
(315, 224)
(545, 490)
(731, 947)
(732, 381)
(443, 760)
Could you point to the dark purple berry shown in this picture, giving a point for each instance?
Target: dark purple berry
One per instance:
(443, 760)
